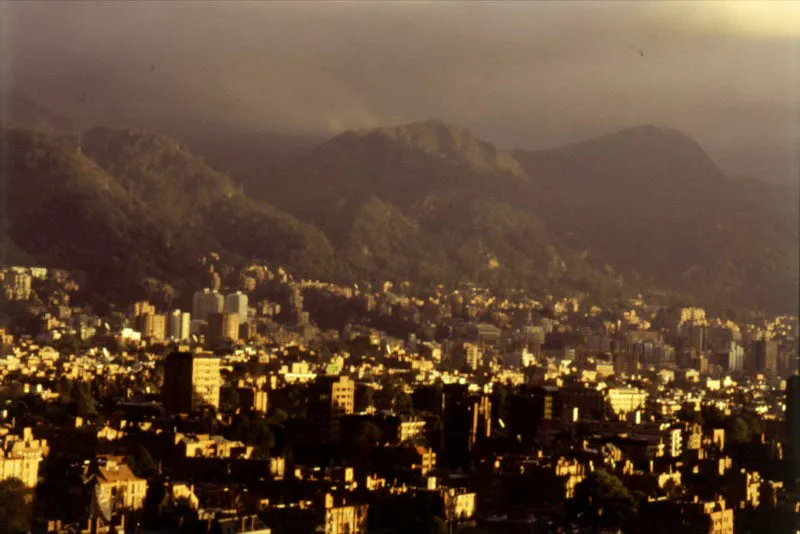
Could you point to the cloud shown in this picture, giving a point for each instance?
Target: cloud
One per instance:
(742, 19)
(520, 74)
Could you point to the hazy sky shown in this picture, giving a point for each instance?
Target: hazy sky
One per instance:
(519, 74)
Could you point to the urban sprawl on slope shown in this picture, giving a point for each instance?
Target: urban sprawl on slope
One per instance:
(273, 404)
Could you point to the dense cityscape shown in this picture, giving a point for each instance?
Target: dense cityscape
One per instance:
(400, 267)
(276, 404)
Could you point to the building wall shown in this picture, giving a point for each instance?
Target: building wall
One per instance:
(191, 382)
(459, 506)
(152, 326)
(179, 325)
(25, 469)
(20, 457)
(237, 303)
(793, 422)
(346, 520)
(125, 495)
(177, 389)
(223, 326)
(206, 382)
(624, 400)
(410, 429)
(330, 399)
(721, 522)
(205, 303)
(343, 395)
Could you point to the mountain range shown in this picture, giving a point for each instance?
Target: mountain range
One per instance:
(643, 209)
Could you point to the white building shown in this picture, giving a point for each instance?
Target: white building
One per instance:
(625, 400)
(675, 442)
(735, 357)
(206, 302)
(237, 303)
(179, 325)
(20, 457)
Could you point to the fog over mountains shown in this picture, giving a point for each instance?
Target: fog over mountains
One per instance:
(644, 208)
(521, 75)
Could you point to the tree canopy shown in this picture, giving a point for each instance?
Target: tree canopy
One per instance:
(602, 501)
(255, 432)
(15, 507)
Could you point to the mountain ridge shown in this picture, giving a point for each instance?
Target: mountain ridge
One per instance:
(641, 209)
(121, 216)
(446, 141)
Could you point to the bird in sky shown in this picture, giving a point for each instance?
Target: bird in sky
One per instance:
(641, 52)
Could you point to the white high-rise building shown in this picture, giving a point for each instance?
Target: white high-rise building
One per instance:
(237, 303)
(735, 357)
(206, 302)
(179, 325)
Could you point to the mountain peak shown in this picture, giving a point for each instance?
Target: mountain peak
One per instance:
(430, 133)
(646, 151)
(426, 127)
(647, 128)
(656, 142)
(652, 132)
(441, 141)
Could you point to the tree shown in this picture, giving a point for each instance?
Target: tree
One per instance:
(402, 403)
(602, 501)
(15, 507)
(673, 489)
(365, 397)
(755, 424)
(713, 416)
(264, 440)
(739, 431)
(156, 379)
(142, 462)
(436, 525)
(84, 400)
(229, 398)
(691, 416)
(436, 434)
(255, 432)
(369, 434)
(278, 417)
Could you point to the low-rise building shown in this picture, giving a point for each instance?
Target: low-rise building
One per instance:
(208, 446)
(20, 457)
